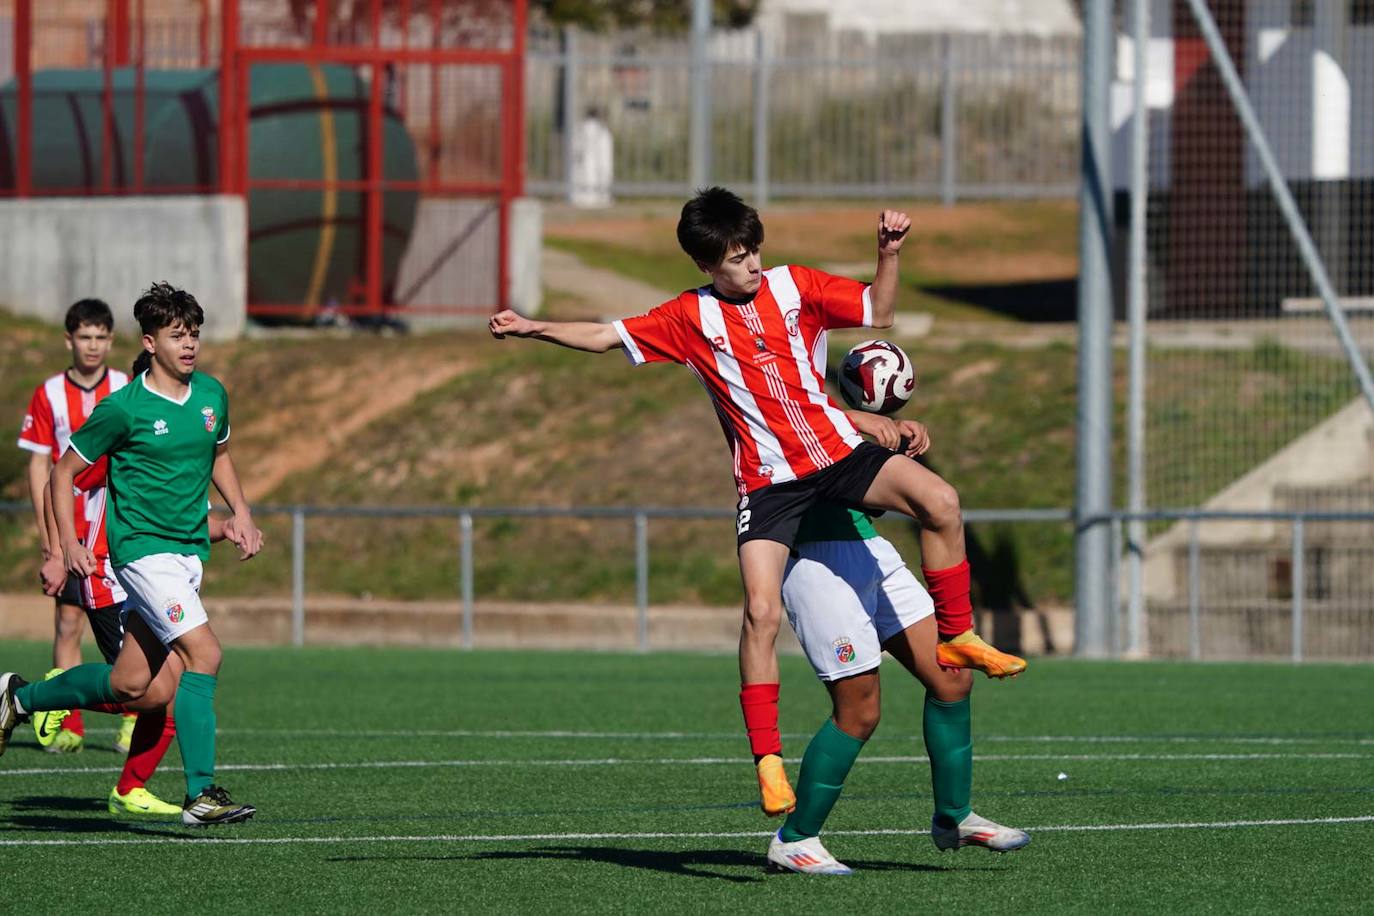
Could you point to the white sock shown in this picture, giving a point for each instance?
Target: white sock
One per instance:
(19, 707)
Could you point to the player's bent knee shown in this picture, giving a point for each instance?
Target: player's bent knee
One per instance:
(942, 507)
(763, 615)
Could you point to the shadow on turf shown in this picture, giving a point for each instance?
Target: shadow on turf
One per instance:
(54, 822)
(691, 863)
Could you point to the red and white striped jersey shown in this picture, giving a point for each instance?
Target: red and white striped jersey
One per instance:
(58, 408)
(762, 362)
(100, 589)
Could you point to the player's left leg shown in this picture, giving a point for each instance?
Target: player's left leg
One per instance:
(912, 489)
(947, 729)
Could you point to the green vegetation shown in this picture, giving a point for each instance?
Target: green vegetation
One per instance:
(528, 782)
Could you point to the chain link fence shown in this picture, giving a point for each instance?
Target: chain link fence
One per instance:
(1244, 397)
(949, 116)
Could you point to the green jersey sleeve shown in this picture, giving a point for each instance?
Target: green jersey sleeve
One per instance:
(105, 430)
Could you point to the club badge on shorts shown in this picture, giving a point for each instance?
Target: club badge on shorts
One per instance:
(173, 611)
(209, 414)
(844, 650)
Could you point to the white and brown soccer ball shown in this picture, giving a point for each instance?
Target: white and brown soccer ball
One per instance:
(876, 376)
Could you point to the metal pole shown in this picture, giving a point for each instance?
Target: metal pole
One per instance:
(1283, 197)
(465, 564)
(699, 163)
(1113, 586)
(642, 580)
(949, 172)
(569, 105)
(298, 577)
(1194, 592)
(1136, 309)
(760, 120)
(1299, 584)
(1092, 548)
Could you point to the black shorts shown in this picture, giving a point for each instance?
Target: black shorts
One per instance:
(71, 593)
(774, 512)
(107, 624)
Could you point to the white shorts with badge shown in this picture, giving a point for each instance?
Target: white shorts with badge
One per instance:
(164, 588)
(846, 598)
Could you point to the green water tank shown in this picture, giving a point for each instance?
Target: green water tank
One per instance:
(306, 122)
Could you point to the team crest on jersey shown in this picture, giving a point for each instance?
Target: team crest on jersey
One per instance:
(793, 321)
(844, 650)
(766, 471)
(173, 611)
(209, 414)
(28, 423)
(761, 356)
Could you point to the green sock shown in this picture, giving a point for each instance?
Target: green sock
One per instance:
(75, 688)
(195, 705)
(824, 767)
(948, 731)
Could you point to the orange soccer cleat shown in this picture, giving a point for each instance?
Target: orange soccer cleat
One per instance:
(968, 650)
(775, 792)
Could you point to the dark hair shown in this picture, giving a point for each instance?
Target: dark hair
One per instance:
(715, 221)
(142, 363)
(89, 311)
(163, 305)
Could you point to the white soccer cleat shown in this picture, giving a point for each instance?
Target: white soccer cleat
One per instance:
(978, 831)
(806, 856)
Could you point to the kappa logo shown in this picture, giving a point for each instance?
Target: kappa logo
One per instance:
(209, 414)
(793, 321)
(160, 428)
(173, 611)
(844, 650)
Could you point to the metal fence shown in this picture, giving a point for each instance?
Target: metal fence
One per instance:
(947, 116)
(1245, 213)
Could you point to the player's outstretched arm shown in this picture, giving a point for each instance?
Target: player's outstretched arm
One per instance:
(590, 336)
(892, 230)
(239, 530)
(77, 559)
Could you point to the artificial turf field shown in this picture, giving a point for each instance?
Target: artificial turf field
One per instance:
(581, 782)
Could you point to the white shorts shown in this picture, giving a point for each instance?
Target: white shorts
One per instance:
(844, 599)
(164, 588)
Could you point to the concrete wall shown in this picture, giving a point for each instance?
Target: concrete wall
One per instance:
(54, 251)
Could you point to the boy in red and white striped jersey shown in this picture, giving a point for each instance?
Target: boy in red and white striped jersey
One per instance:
(60, 405)
(752, 338)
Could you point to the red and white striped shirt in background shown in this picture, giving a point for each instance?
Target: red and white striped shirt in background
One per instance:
(58, 408)
(763, 363)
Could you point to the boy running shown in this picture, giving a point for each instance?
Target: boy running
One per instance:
(58, 408)
(849, 596)
(753, 338)
(166, 435)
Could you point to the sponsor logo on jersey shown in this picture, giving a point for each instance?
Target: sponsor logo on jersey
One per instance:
(766, 470)
(761, 355)
(160, 428)
(173, 611)
(844, 650)
(793, 321)
(28, 422)
(209, 414)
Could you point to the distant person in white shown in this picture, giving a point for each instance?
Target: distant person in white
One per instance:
(593, 163)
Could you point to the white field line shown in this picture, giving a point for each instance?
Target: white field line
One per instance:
(1277, 740)
(684, 761)
(568, 837)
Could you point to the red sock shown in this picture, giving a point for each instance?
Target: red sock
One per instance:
(153, 734)
(760, 705)
(949, 589)
(74, 724)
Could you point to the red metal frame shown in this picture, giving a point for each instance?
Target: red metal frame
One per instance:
(125, 45)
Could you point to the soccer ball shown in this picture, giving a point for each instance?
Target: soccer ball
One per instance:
(876, 376)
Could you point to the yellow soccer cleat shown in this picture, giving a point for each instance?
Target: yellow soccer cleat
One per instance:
(126, 734)
(140, 801)
(775, 792)
(968, 650)
(47, 725)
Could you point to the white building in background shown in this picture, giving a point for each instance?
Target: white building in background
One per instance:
(874, 18)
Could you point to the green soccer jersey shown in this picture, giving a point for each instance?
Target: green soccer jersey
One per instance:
(833, 522)
(161, 455)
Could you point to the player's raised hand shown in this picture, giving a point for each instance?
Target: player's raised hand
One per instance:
(78, 560)
(916, 435)
(892, 229)
(243, 534)
(507, 323)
